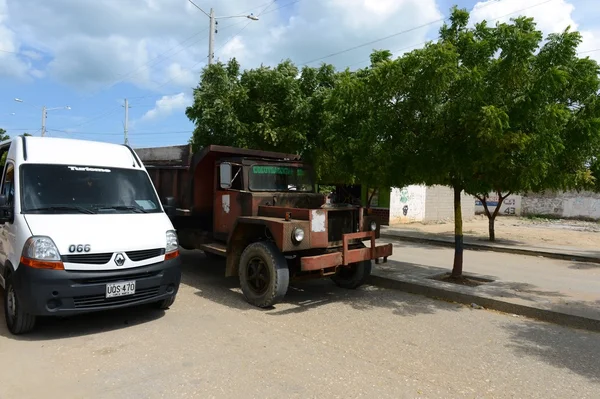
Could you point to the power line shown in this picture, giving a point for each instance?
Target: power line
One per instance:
(410, 30)
(493, 19)
(283, 6)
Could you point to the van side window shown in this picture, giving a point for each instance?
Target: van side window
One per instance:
(7, 183)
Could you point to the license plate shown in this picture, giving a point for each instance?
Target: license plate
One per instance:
(121, 288)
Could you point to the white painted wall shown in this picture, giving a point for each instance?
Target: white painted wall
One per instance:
(419, 203)
(511, 206)
(407, 204)
(585, 205)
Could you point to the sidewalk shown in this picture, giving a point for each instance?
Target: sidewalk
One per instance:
(514, 247)
(557, 291)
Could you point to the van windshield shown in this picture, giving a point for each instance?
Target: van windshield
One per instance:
(85, 189)
(280, 178)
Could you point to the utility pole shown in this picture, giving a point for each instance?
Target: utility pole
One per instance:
(211, 36)
(126, 140)
(44, 121)
(212, 28)
(44, 112)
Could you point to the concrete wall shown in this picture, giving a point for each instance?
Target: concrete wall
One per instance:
(419, 203)
(439, 205)
(511, 206)
(583, 205)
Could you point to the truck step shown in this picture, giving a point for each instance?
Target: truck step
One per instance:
(214, 248)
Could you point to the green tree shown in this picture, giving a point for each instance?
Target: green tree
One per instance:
(482, 110)
(278, 109)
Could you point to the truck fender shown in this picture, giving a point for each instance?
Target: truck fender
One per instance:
(243, 234)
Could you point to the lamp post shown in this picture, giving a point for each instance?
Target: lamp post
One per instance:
(213, 28)
(44, 113)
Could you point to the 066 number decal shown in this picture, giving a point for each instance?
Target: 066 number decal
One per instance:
(79, 248)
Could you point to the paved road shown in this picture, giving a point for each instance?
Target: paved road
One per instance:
(323, 342)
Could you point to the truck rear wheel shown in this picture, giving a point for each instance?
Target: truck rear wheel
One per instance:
(17, 320)
(264, 275)
(353, 275)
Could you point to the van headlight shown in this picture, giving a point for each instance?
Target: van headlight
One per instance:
(40, 252)
(172, 246)
(373, 225)
(298, 235)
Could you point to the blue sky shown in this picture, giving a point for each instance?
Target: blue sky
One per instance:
(92, 55)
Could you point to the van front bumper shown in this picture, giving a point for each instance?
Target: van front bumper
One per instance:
(65, 292)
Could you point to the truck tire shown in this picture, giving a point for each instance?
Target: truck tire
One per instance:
(264, 275)
(353, 275)
(17, 320)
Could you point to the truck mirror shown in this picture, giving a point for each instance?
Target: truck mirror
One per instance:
(169, 205)
(225, 175)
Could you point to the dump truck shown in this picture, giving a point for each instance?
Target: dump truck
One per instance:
(261, 211)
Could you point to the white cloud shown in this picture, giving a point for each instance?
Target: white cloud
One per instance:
(550, 17)
(167, 105)
(10, 64)
(162, 45)
(180, 76)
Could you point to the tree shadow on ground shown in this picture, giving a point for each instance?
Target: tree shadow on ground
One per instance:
(207, 277)
(561, 347)
(52, 328)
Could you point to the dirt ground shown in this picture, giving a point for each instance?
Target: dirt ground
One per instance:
(526, 231)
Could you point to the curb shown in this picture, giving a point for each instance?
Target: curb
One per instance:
(546, 315)
(493, 248)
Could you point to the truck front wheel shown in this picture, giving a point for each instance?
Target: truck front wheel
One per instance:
(17, 320)
(353, 275)
(264, 275)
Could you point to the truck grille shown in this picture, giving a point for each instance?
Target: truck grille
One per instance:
(340, 223)
(94, 301)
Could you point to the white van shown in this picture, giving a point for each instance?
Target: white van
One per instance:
(81, 230)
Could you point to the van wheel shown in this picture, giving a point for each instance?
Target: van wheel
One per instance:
(264, 275)
(17, 321)
(165, 303)
(353, 275)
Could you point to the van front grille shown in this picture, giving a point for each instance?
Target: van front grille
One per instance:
(144, 254)
(88, 259)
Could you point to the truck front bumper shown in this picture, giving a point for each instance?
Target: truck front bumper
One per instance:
(67, 292)
(346, 256)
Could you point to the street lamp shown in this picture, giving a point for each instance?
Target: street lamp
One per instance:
(212, 28)
(44, 113)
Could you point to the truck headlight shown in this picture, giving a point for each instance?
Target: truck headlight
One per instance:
(40, 252)
(172, 246)
(298, 235)
(373, 225)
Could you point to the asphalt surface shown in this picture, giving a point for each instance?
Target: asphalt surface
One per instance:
(322, 342)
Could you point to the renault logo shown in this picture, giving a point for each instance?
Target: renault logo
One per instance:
(120, 259)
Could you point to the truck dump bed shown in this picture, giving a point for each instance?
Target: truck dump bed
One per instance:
(191, 178)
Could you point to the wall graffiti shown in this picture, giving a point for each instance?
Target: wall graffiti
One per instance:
(511, 206)
(407, 204)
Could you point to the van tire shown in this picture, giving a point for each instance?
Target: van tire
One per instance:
(17, 320)
(165, 303)
(353, 275)
(263, 259)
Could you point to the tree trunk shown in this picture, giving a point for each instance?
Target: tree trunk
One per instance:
(457, 268)
(492, 216)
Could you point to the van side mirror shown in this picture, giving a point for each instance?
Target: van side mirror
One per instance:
(170, 206)
(225, 175)
(6, 211)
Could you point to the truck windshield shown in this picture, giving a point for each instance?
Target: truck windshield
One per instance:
(82, 189)
(280, 178)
